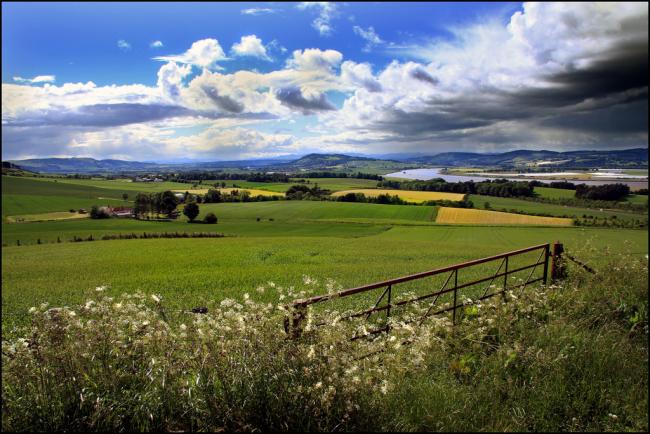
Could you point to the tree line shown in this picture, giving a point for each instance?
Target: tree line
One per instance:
(497, 187)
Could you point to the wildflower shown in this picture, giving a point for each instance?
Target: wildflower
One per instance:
(384, 387)
(318, 385)
(101, 288)
(183, 327)
(260, 289)
(32, 309)
(145, 323)
(117, 306)
(246, 296)
(155, 298)
(613, 416)
(311, 353)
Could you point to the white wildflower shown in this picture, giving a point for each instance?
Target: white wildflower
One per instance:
(101, 288)
(32, 309)
(183, 327)
(155, 298)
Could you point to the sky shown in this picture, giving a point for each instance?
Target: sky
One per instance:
(173, 82)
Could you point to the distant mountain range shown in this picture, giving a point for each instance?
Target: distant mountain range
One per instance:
(637, 157)
(629, 158)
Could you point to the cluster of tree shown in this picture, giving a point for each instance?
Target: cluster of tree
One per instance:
(564, 185)
(98, 213)
(496, 187)
(160, 203)
(217, 196)
(389, 199)
(302, 192)
(602, 192)
(385, 199)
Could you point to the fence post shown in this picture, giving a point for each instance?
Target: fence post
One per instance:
(388, 309)
(292, 323)
(505, 280)
(557, 268)
(453, 321)
(547, 254)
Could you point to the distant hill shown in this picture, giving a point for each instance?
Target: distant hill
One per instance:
(637, 157)
(81, 165)
(321, 161)
(629, 158)
(9, 168)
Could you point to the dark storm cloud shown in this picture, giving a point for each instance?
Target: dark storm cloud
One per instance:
(223, 102)
(100, 115)
(422, 75)
(114, 115)
(293, 97)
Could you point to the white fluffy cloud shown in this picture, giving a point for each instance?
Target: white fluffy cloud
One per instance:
(37, 79)
(558, 75)
(326, 12)
(204, 53)
(371, 37)
(156, 44)
(250, 45)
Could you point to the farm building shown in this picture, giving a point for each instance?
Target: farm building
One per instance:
(119, 211)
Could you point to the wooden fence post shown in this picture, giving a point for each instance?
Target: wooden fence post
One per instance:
(557, 267)
(293, 322)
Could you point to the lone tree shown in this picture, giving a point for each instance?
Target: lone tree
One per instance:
(210, 218)
(191, 210)
(125, 196)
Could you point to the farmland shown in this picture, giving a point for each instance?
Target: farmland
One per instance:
(477, 216)
(407, 195)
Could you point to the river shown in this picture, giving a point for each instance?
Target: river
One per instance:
(426, 174)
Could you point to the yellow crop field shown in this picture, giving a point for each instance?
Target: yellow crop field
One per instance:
(408, 195)
(479, 216)
(252, 191)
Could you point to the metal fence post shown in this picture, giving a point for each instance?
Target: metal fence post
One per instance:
(547, 254)
(388, 309)
(455, 295)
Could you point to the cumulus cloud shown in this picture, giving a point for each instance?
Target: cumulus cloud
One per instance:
(369, 35)
(294, 98)
(557, 76)
(548, 78)
(250, 45)
(156, 44)
(204, 54)
(37, 79)
(326, 12)
(123, 45)
(170, 78)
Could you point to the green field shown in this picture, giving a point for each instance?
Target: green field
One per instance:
(531, 207)
(278, 241)
(188, 272)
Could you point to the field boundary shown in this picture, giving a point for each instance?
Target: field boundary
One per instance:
(293, 323)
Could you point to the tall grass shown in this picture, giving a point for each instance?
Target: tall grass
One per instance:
(571, 356)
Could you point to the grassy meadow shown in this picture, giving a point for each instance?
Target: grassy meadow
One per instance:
(526, 352)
